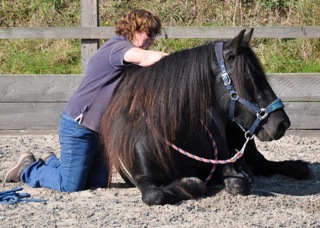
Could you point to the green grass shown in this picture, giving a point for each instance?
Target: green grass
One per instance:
(64, 56)
(288, 55)
(41, 57)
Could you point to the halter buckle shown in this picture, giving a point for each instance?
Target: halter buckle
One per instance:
(226, 79)
(262, 114)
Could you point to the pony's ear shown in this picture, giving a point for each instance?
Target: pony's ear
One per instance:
(247, 37)
(235, 45)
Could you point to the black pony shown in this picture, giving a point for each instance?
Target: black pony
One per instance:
(208, 101)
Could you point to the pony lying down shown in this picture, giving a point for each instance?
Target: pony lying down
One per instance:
(188, 121)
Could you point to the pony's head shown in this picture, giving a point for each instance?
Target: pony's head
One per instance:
(244, 94)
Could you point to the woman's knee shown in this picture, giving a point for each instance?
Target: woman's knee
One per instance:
(72, 187)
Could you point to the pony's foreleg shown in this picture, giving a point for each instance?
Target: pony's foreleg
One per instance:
(261, 166)
(236, 180)
(182, 189)
(159, 187)
(237, 183)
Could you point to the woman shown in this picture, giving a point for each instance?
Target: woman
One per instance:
(81, 164)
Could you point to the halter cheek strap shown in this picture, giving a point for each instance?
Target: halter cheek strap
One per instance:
(261, 113)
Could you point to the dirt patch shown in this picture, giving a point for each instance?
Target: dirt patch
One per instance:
(276, 201)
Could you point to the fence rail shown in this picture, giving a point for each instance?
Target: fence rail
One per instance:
(35, 101)
(172, 32)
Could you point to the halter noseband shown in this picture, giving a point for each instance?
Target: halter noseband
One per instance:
(261, 113)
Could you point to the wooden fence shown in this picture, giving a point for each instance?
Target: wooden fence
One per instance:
(34, 102)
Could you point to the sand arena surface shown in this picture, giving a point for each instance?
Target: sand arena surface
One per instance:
(276, 201)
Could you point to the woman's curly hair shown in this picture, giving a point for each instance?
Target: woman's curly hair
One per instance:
(138, 20)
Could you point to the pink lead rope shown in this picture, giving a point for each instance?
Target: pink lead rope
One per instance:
(214, 161)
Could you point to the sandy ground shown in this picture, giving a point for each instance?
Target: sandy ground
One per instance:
(276, 201)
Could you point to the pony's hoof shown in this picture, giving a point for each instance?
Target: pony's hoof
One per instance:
(238, 185)
(194, 186)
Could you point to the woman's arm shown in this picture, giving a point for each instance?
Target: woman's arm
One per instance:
(142, 57)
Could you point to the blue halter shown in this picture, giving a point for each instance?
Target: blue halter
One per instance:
(261, 113)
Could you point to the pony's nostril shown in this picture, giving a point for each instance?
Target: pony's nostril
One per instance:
(285, 125)
(282, 127)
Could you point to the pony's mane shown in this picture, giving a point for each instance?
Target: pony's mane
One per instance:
(175, 90)
(159, 100)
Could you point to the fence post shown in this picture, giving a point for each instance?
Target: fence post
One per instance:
(89, 18)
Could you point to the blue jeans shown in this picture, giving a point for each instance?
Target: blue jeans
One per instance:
(81, 166)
